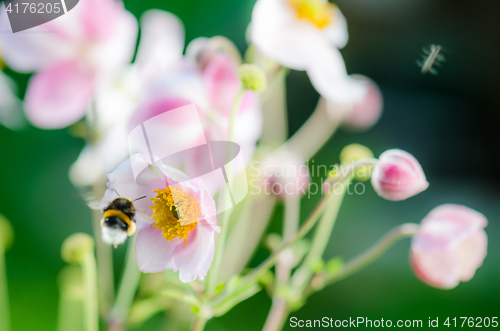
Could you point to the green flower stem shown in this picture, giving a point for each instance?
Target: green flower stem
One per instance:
(234, 113)
(198, 323)
(104, 258)
(71, 296)
(91, 304)
(373, 253)
(127, 290)
(274, 110)
(4, 296)
(280, 308)
(103, 251)
(213, 273)
(255, 274)
(321, 238)
(315, 132)
(277, 315)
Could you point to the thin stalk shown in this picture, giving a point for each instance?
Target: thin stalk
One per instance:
(374, 252)
(127, 290)
(198, 323)
(277, 315)
(279, 308)
(274, 110)
(105, 266)
(315, 132)
(213, 273)
(256, 273)
(4, 295)
(321, 238)
(91, 305)
(71, 296)
(234, 113)
(103, 251)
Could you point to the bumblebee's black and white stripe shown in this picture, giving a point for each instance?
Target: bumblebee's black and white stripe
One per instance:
(118, 221)
(432, 57)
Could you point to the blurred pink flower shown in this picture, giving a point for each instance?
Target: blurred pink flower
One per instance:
(117, 98)
(363, 115)
(306, 35)
(214, 91)
(398, 176)
(285, 174)
(71, 54)
(449, 246)
(176, 221)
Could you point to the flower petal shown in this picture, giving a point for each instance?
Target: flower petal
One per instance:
(121, 183)
(336, 32)
(153, 252)
(58, 96)
(194, 258)
(33, 49)
(162, 38)
(329, 77)
(222, 83)
(278, 33)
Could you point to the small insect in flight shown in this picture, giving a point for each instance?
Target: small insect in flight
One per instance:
(118, 221)
(432, 57)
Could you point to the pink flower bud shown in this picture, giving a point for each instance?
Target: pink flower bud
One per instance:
(285, 174)
(398, 176)
(449, 246)
(366, 113)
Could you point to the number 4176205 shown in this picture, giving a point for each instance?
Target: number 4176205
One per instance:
(34, 8)
(471, 322)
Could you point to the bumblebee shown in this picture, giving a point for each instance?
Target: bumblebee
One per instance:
(118, 221)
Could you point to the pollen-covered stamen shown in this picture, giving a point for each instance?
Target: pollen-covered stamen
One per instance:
(319, 12)
(175, 212)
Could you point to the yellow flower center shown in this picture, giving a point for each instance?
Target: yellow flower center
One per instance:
(175, 212)
(320, 13)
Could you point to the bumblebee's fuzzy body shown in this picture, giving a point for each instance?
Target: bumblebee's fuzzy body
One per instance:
(118, 221)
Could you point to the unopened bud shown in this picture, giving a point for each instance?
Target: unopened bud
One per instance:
(252, 77)
(76, 246)
(355, 152)
(6, 233)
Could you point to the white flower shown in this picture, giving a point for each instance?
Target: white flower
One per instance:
(306, 35)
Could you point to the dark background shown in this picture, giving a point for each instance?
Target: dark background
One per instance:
(449, 122)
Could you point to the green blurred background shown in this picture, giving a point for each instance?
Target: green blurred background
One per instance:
(450, 122)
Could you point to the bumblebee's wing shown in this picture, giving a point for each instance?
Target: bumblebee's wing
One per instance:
(89, 197)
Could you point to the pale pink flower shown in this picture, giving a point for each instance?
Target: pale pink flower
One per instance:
(398, 175)
(363, 115)
(285, 174)
(306, 35)
(449, 246)
(70, 54)
(214, 91)
(117, 98)
(189, 245)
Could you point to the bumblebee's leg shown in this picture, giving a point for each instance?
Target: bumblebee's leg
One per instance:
(131, 229)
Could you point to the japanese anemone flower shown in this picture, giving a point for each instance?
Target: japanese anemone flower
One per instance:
(306, 35)
(176, 220)
(71, 55)
(449, 246)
